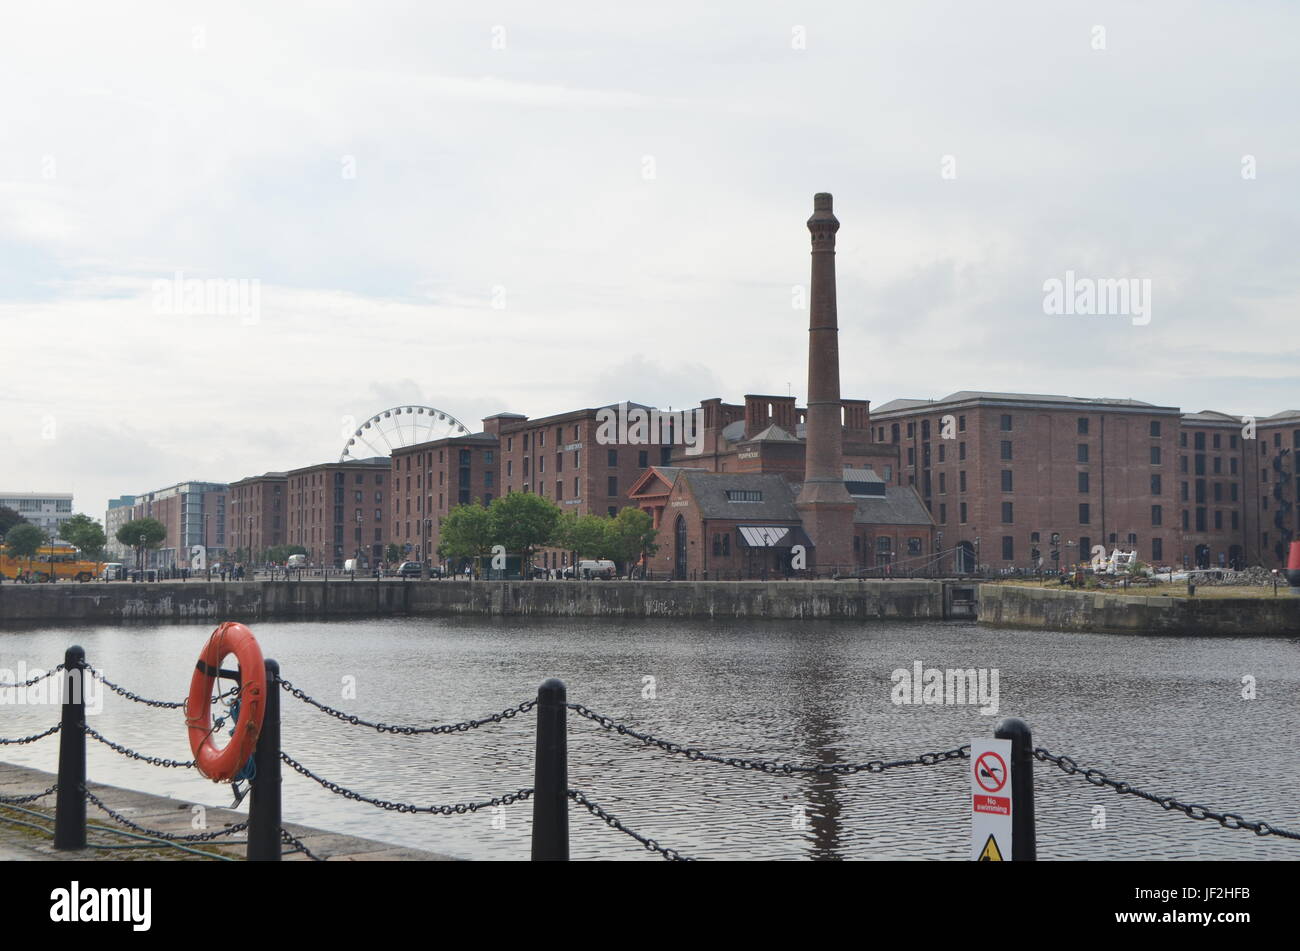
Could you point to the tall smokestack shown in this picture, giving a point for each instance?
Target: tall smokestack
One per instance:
(826, 506)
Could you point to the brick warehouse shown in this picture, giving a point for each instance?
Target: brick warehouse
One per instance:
(257, 515)
(338, 510)
(1003, 472)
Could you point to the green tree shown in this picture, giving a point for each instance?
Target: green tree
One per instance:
(587, 536)
(280, 553)
(86, 534)
(524, 522)
(140, 534)
(8, 519)
(392, 552)
(632, 536)
(466, 532)
(24, 541)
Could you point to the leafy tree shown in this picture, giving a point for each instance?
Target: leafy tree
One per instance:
(392, 552)
(85, 533)
(523, 522)
(467, 532)
(632, 536)
(140, 534)
(24, 541)
(588, 536)
(8, 519)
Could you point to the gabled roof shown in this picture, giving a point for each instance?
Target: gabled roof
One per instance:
(710, 492)
(773, 433)
(899, 506)
(667, 475)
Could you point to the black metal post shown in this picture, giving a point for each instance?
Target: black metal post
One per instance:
(70, 799)
(1024, 847)
(264, 807)
(551, 776)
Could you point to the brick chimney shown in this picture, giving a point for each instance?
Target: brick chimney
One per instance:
(825, 505)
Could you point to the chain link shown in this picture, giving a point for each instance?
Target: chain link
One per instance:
(410, 730)
(299, 846)
(671, 855)
(33, 738)
(34, 680)
(19, 800)
(135, 697)
(459, 808)
(169, 836)
(770, 766)
(1229, 820)
(151, 760)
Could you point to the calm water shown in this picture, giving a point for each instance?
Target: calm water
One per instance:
(1162, 713)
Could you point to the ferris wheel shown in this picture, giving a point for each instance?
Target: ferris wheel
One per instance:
(399, 427)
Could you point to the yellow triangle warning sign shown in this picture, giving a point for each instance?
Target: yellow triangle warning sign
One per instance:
(991, 852)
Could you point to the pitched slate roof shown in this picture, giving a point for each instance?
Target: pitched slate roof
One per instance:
(710, 492)
(900, 506)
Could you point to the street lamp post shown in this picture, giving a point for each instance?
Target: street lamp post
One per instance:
(140, 558)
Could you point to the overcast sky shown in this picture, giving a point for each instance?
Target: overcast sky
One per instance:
(500, 207)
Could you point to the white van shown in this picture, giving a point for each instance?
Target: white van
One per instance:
(350, 565)
(296, 561)
(602, 568)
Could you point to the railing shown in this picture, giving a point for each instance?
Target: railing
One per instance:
(550, 793)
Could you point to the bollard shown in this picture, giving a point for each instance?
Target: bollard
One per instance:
(70, 799)
(1023, 845)
(551, 776)
(264, 807)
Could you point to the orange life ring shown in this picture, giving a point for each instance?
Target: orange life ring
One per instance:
(223, 764)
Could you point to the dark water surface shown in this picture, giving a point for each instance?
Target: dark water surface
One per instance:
(1162, 713)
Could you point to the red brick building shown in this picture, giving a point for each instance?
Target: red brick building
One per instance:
(257, 515)
(1005, 473)
(194, 513)
(338, 511)
(1273, 476)
(429, 479)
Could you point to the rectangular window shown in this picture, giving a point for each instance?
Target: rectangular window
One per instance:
(1155, 485)
(1008, 548)
(1156, 515)
(962, 513)
(1157, 549)
(1085, 513)
(961, 452)
(941, 452)
(1198, 442)
(613, 486)
(911, 456)
(559, 489)
(1083, 425)
(1006, 480)
(1155, 455)
(961, 482)
(744, 495)
(961, 424)
(1081, 452)
(613, 458)
(1006, 449)
(1217, 443)
(643, 459)
(943, 482)
(1007, 513)
(1218, 464)
(1083, 482)
(1006, 422)
(1218, 520)
(943, 514)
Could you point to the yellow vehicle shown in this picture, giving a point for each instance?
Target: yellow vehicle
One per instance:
(61, 561)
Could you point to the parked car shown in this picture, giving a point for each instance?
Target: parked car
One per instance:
(113, 572)
(410, 569)
(296, 561)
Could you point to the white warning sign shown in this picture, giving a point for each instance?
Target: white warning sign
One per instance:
(990, 788)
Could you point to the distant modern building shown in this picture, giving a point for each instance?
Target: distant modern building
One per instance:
(338, 511)
(258, 515)
(120, 511)
(46, 510)
(194, 514)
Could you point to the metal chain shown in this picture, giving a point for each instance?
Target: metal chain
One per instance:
(34, 680)
(770, 766)
(459, 808)
(671, 855)
(410, 730)
(165, 704)
(19, 800)
(33, 738)
(299, 846)
(1229, 820)
(170, 836)
(151, 760)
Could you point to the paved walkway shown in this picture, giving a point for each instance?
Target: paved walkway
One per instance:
(19, 842)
